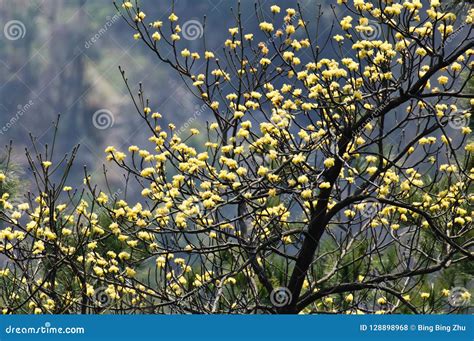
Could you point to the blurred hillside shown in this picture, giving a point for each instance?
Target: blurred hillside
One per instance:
(62, 57)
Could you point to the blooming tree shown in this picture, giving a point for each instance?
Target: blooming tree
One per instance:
(336, 176)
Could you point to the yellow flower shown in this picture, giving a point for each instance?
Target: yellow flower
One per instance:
(238, 114)
(299, 158)
(349, 298)
(275, 9)
(109, 149)
(443, 80)
(382, 301)
(325, 185)
(346, 23)
(328, 300)
(98, 271)
(208, 55)
(173, 17)
(124, 255)
(140, 16)
(119, 156)
(307, 194)
(328, 163)
(466, 296)
(156, 36)
(2, 177)
(243, 133)
(262, 171)
(47, 164)
(233, 31)
(349, 213)
(425, 295)
(266, 27)
(161, 262)
(288, 55)
(147, 172)
(421, 51)
(241, 171)
(92, 245)
(130, 272)
(303, 179)
(230, 280)
(305, 284)
(38, 247)
(23, 207)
